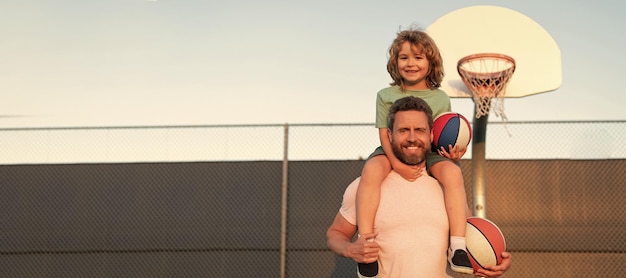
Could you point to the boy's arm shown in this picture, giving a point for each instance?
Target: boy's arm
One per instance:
(498, 270)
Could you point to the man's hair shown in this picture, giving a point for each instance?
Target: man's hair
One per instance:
(424, 44)
(409, 103)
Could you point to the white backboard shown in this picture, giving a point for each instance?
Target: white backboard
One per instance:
(492, 29)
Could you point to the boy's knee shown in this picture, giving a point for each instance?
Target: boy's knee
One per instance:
(445, 169)
(445, 165)
(377, 164)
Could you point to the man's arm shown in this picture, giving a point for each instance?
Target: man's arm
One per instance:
(498, 270)
(339, 237)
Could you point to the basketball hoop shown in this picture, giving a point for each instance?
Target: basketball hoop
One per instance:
(486, 75)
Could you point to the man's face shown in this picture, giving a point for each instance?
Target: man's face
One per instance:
(411, 137)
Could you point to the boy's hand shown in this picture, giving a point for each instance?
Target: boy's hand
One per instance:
(408, 172)
(455, 153)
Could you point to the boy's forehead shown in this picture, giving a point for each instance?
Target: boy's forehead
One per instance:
(412, 47)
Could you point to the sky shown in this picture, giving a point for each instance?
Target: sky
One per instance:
(87, 63)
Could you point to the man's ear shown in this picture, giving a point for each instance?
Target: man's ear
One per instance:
(389, 133)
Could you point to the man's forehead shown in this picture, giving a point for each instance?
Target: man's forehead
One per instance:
(411, 117)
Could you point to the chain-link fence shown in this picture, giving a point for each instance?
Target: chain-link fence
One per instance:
(222, 201)
(306, 142)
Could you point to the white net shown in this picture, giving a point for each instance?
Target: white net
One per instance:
(486, 75)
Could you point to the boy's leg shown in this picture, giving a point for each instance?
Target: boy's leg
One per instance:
(450, 176)
(367, 199)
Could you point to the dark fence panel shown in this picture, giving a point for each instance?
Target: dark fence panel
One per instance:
(562, 218)
(315, 193)
(140, 220)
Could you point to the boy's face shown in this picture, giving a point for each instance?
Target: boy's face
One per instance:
(413, 66)
(410, 137)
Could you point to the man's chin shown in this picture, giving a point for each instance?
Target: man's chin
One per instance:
(413, 160)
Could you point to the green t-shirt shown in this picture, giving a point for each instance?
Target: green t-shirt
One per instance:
(437, 99)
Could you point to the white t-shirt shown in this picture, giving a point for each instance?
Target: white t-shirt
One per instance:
(412, 226)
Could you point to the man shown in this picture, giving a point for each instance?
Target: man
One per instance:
(411, 223)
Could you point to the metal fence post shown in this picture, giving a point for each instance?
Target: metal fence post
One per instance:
(283, 220)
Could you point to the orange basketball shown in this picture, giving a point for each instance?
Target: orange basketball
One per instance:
(485, 242)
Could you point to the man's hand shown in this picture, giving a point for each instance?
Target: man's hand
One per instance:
(498, 270)
(364, 249)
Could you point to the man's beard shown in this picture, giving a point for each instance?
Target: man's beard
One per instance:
(409, 159)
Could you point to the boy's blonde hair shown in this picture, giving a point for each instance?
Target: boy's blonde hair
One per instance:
(427, 46)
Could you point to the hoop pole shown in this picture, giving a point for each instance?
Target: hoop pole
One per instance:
(478, 165)
(283, 209)
(485, 83)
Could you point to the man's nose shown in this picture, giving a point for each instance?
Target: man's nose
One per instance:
(412, 136)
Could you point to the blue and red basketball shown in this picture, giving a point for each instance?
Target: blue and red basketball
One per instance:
(484, 242)
(451, 128)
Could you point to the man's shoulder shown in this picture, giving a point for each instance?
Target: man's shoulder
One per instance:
(348, 205)
(351, 189)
